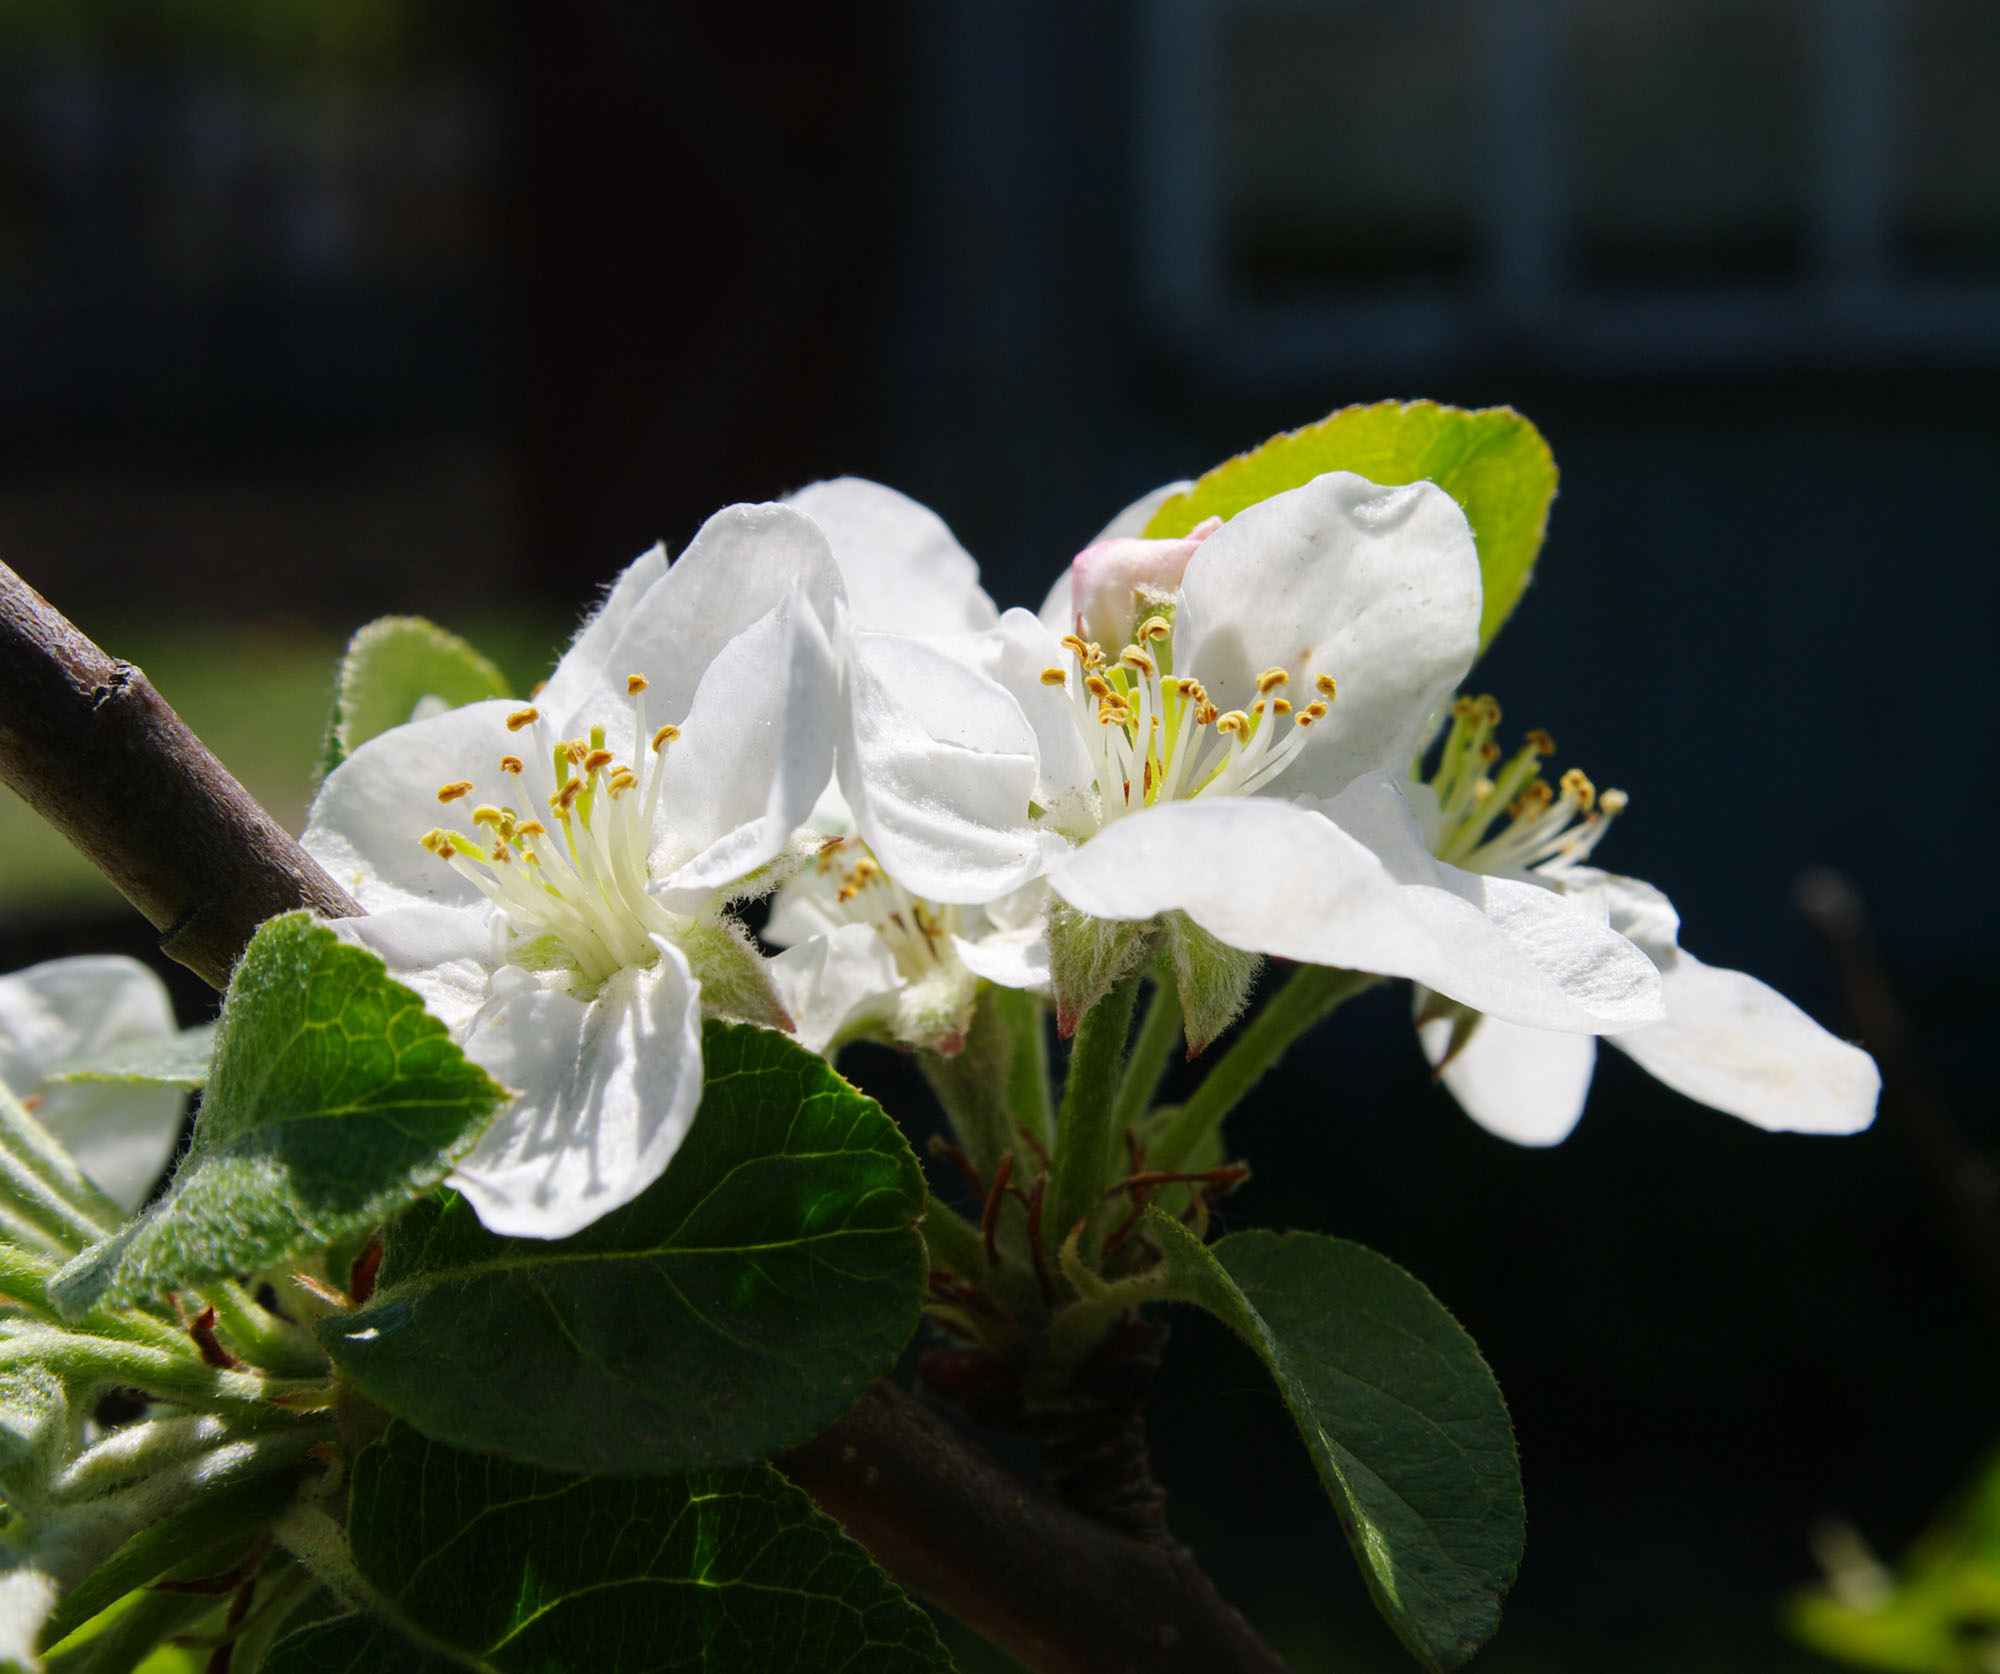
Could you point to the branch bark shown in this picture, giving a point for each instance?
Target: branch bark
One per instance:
(88, 743)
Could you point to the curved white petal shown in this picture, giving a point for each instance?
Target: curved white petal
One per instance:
(739, 567)
(1733, 1043)
(608, 1090)
(938, 766)
(367, 820)
(579, 669)
(1526, 1085)
(121, 1136)
(447, 955)
(903, 568)
(1378, 587)
(1515, 950)
(1015, 653)
(754, 754)
(1012, 958)
(831, 982)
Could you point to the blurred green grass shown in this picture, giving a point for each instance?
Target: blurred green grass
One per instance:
(256, 693)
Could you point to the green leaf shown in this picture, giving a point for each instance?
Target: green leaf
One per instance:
(1403, 1420)
(504, 1568)
(178, 1061)
(390, 667)
(334, 1100)
(741, 1303)
(1491, 460)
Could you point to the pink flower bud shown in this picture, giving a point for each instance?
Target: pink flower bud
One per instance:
(1106, 581)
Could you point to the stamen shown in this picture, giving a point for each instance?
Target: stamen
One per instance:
(1578, 788)
(523, 718)
(1154, 627)
(1271, 679)
(1613, 802)
(453, 791)
(510, 764)
(665, 736)
(1054, 677)
(634, 684)
(596, 761)
(1325, 686)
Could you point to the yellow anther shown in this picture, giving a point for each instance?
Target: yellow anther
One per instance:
(445, 849)
(1462, 709)
(847, 892)
(1077, 644)
(453, 791)
(1613, 801)
(487, 814)
(572, 789)
(596, 761)
(523, 718)
(1093, 654)
(623, 780)
(510, 764)
(1235, 721)
(1541, 743)
(531, 828)
(1311, 713)
(432, 839)
(1323, 684)
(502, 853)
(1535, 796)
(1205, 714)
(1270, 679)
(665, 736)
(1488, 709)
(1132, 657)
(575, 749)
(1154, 627)
(1097, 686)
(634, 684)
(1489, 751)
(1053, 676)
(1578, 788)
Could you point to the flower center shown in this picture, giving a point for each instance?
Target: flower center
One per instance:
(1154, 736)
(1557, 826)
(848, 886)
(586, 882)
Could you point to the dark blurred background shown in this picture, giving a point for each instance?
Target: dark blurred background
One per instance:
(316, 309)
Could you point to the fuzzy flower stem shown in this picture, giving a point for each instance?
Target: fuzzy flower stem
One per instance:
(1312, 992)
(1157, 1034)
(1089, 1128)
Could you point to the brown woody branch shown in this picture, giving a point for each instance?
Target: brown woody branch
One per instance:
(89, 744)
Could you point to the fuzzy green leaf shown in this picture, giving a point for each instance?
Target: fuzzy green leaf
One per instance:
(1403, 1420)
(742, 1302)
(181, 1060)
(390, 667)
(335, 1099)
(1491, 460)
(510, 1570)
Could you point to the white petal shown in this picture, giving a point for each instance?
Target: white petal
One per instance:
(1378, 587)
(1015, 654)
(583, 662)
(608, 1090)
(1012, 958)
(939, 767)
(367, 820)
(121, 1136)
(904, 570)
(739, 567)
(1527, 1085)
(446, 954)
(1733, 1043)
(27, 1597)
(1058, 613)
(832, 982)
(754, 754)
(1514, 950)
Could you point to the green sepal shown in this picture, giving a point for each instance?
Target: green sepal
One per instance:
(742, 1302)
(477, 1563)
(181, 1060)
(391, 666)
(1213, 980)
(1089, 956)
(1491, 460)
(335, 1099)
(1403, 1420)
(34, 1434)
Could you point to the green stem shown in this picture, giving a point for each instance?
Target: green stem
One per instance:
(1088, 1130)
(47, 1185)
(972, 1086)
(1026, 1022)
(167, 1373)
(278, 1596)
(24, 1279)
(952, 1241)
(1150, 1052)
(274, 1344)
(133, 1635)
(1312, 992)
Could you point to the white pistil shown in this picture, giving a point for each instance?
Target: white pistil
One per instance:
(591, 891)
(1154, 736)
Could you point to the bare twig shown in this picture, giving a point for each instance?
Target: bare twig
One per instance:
(94, 749)
(89, 745)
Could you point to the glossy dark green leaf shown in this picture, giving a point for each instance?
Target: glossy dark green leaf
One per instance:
(501, 1567)
(334, 1099)
(741, 1303)
(1492, 461)
(1402, 1418)
(393, 665)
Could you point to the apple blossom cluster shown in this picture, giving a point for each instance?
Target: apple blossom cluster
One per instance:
(1244, 743)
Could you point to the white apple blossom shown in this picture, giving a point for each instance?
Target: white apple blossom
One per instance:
(120, 1134)
(1727, 1040)
(570, 924)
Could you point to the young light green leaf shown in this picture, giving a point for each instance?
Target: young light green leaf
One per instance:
(1491, 460)
(1402, 1418)
(178, 1061)
(506, 1569)
(390, 667)
(741, 1303)
(334, 1100)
